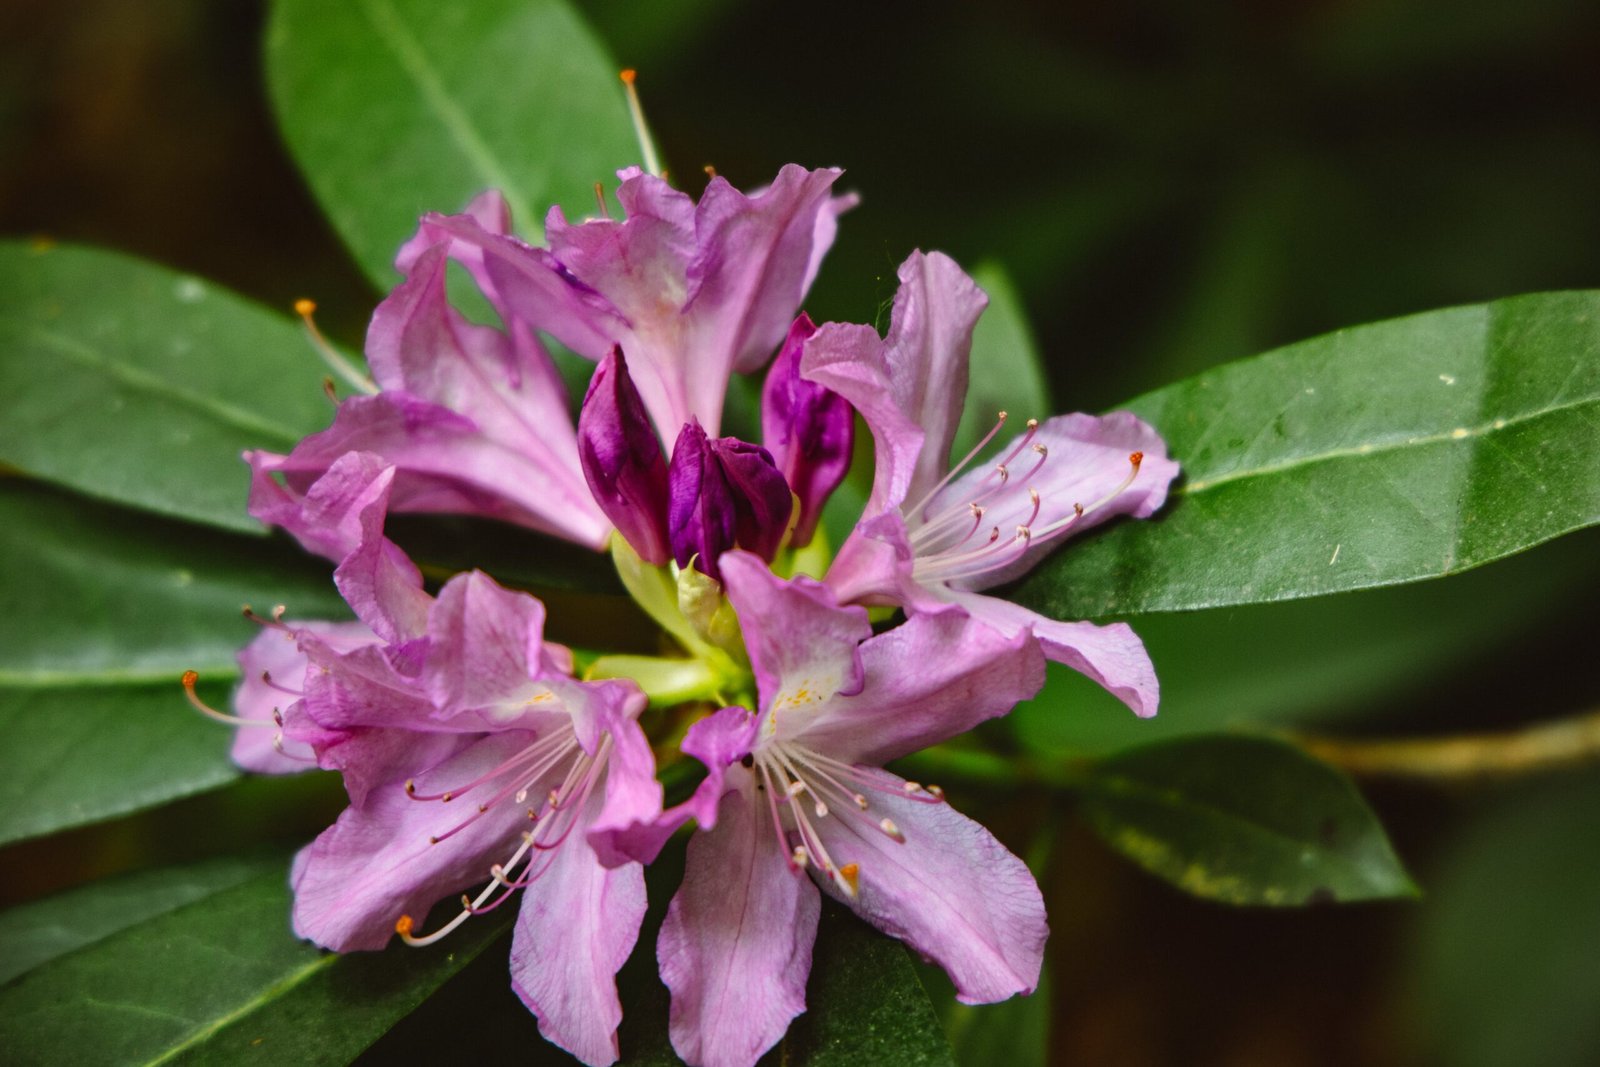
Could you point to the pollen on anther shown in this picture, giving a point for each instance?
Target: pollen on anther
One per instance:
(447, 797)
(1033, 424)
(912, 787)
(888, 827)
(411, 787)
(851, 872)
(861, 801)
(628, 76)
(404, 925)
(1136, 458)
(799, 857)
(305, 308)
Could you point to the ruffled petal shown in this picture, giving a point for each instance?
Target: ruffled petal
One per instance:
(930, 678)
(577, 925)
(950, 891)
(718, 741)
(377, 862)
(735, 948)
(910, 387)
(1088, 465)
(1112, 655)
(273, 671)
(521, 443)
(802, 644)
(485, 644)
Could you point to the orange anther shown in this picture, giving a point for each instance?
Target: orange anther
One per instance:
(304, 307)
(628, 76)
(1136, 459)
(403, 925)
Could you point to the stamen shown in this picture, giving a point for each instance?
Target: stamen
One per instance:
(330, 355)
(600, 199)
(851, 873)
(711, 172)
(647, 148)
(1078, 511)
(888, 826)
(968, 458)
(189, 679)
(275, 622)
(266, 679)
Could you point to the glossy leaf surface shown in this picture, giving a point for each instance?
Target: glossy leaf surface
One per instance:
(216, 981)
(1388, 453)
(133, 383)
(451, 99)
(1243, 820)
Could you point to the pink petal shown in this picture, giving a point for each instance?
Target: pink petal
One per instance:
(735, 949)
(275, 653)
(927, 680)
(1112, 656)
(803, 645)
(1088, 464)
(950, 891)
(577, 926)
(376, 862)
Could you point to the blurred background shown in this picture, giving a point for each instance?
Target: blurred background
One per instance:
(1169, 185)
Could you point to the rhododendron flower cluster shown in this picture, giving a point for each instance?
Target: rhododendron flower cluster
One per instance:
(481, 762)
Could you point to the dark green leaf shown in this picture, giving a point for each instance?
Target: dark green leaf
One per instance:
(101, 611)
(1006, 374)
(864, 1003)
(1015, 1032)
(133, 383)
(1388, 453)
(37, 933)
(219, 980)
(451, 99)
(81, 755)
(95, 595)
(1506, 968)
(1244, 821)
(1311, 660)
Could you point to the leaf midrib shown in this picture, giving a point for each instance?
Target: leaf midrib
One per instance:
(260, 1000)
(413, 61)
(144, 381)
(1373, 448)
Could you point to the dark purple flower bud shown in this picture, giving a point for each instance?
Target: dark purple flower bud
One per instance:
(724, 492)
(622, 459)
(809, 429)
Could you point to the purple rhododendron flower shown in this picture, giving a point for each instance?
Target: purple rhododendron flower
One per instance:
(932, 537)
(474, 419)
(798, 787)
(470, 754)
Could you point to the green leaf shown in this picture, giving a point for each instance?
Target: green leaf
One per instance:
(78, 755)
(1389, 453)
(101, 611)
(36, 933)
(133, 383)
(864, 1003)
(1243, 820)
(219, 980)
(452, 99)
(1311, 660)
(93, 595)
(1006, 374)
(1504, 967)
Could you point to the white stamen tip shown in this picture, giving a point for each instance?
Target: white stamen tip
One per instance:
(888, 827)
